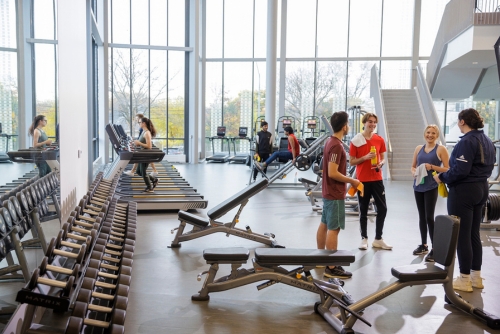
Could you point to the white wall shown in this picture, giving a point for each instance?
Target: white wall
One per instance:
(73, 102)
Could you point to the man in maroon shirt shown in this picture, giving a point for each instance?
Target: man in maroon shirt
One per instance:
(334, 189)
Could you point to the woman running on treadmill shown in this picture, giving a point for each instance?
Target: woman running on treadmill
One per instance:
(131, 172)
(40, 140)
(145, 141)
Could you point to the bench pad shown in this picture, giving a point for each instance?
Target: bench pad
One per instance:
(290, 256)
(193, 219)
(418, 272)
(226, 254)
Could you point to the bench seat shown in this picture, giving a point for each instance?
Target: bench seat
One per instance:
(229, 254)
(419, 272)
(313, 257)
(193, 219)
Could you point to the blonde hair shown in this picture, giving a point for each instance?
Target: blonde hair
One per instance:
(367, 116)
(434, 126)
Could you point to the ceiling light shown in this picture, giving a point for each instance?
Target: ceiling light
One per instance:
(474, 63)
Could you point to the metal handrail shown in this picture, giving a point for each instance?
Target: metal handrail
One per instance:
(428, 107)
(376, 94)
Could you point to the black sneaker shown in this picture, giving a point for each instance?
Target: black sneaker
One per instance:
(155, 182)
(430, 256)
(338, 271)
(421, 249)
(148, 190)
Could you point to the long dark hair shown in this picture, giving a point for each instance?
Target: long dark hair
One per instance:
(36, 120)
(471, 118)
(149, 125)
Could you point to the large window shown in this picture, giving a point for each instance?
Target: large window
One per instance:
(147, 73)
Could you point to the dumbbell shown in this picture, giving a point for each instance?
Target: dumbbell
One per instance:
(106, 236)
(45, 266)
(52, 251)
(60, 241)
(66, 228)
(123, 254)
(118, 227)
(116, 263)
(96, 264)
(119, 248)
(65, 286)
(75, 325)
(74, 226)
(90, 281)
(123, 236)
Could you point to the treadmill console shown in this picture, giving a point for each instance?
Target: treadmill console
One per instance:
(243, 131)
(221, 131)
(287, 122)
(311, 124)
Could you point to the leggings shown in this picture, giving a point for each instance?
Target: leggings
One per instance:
(43, 168)
(426, 203)
(377, 190)
(466, 201)
(148, 179)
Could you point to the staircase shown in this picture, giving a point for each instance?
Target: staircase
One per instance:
(405, 126)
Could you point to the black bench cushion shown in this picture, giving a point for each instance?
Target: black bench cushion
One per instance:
(290, 256)
(419, 272)
(226, 254)
(193, 219)
(233, 201)
(445, 239)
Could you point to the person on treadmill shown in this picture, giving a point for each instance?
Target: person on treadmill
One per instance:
(145, 141)
(40, 140)
(291, 154)
(263, 145)
(131, 172)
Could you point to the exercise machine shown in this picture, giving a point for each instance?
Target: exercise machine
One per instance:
(242, 136)
(33, 155)
(220, 156)
(3, 155)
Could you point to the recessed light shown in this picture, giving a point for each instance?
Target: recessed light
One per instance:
(474, 63)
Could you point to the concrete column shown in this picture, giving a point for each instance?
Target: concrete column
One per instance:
(271, 56)
(417, 11)
(193, 94)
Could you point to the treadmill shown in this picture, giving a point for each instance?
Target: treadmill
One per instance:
(3, 155)
(222, 156)
(240, 158)
(34, 155)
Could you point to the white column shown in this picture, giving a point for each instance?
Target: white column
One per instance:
(73, 74)
(416, 41)
(271, 55)
(195, 107)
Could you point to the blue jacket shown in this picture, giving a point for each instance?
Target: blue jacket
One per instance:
(467, 164)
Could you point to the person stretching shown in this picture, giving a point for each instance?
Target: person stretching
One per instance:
(291, 154)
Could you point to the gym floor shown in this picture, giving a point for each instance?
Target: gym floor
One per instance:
(164, 279)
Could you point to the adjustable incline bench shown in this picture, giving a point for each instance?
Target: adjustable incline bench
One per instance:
(267, 266)
(445, 246)
(203, 226)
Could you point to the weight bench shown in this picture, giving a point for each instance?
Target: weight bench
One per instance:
(205, 226)
(267, 266)
(445, 245)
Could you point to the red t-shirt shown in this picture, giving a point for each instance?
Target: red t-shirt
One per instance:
(364, 171)
(295, 143)
(334, 152)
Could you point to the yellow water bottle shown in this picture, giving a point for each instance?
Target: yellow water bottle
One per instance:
(374, 159)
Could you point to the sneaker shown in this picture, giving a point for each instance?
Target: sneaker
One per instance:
(259, 166)
(129, 173)
(380, 244)
(148, 190)
(477, 280)
(430, 256)
(364, 244)
(462, 283)
(338, 271)
(421, 249)
(154, 174)
(155, 182)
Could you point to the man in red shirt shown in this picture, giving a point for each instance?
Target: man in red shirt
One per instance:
(291, 154)
(333, 189)
(367, 152)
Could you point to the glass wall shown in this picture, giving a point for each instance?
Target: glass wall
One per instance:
(147, 75)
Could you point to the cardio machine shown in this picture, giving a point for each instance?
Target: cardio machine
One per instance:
(241, 157)
(221, 156)
(3, 155)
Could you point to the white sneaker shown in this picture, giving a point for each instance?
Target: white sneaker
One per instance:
(463, 283)
(364, 244)
(129, 173)
(380, 244)
(477, 280)
(153, 174)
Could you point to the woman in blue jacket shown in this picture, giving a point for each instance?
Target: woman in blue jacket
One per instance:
(471, 164)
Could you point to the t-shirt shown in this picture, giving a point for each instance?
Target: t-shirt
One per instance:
(295, 143)
(334, 152)
(264, 142)
(364, 171)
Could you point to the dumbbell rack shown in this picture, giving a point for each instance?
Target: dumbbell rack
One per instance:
(109, 228)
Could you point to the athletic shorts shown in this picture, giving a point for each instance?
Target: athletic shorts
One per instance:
(333, 214)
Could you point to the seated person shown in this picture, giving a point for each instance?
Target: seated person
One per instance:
(291, 154)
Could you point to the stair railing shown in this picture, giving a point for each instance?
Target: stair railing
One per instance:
(428, 108)
(376, 94)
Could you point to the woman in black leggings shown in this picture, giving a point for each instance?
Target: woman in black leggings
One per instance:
(471, 164)
(145, 141)
(427, 158)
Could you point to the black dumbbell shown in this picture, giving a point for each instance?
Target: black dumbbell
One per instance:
(114, 263)
(120, 228)
(121, 254)
(77, 226)
(52, 251)
(65, 286)
(45, 266)
(80, 309)
(90, 282)
(75, 325)
(60, 241)
(66, 228)
(125, 235)
(105, 242)
(96, 264)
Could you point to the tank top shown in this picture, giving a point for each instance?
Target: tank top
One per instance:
(142, 139)
(295, 144)
(429, 158)
(43, 137)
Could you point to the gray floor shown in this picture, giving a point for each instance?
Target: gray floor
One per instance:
(164, 279)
